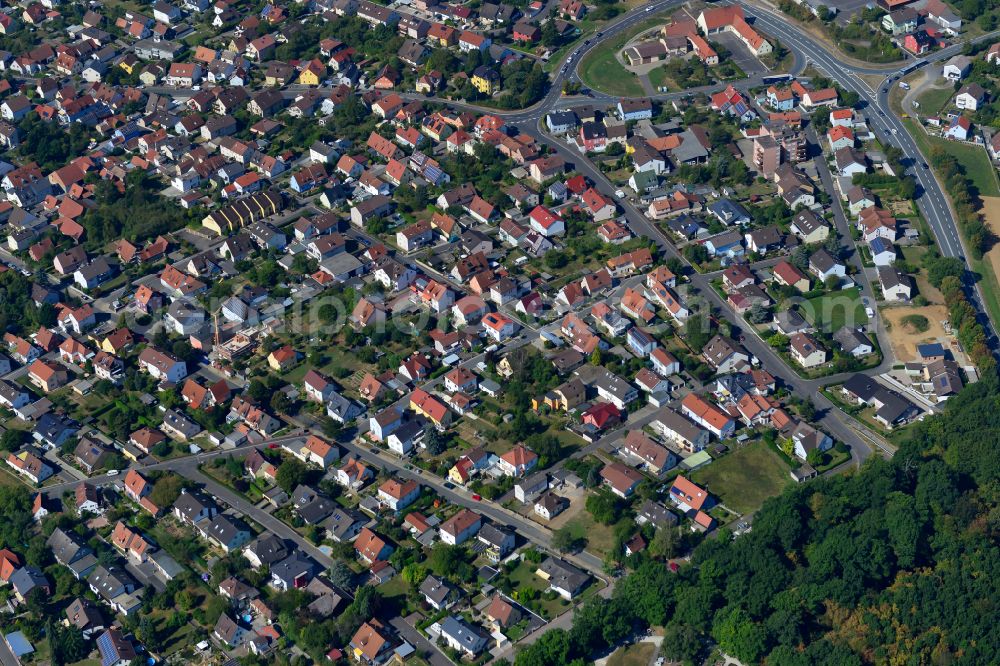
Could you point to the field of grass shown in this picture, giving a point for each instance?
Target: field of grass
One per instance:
(973, 159)
(524, 576)
(658, 77)
(980, 170)
(601, 70)
(933, 100)
(639, 654)
(600, 538)
(9, 479)
(743, 479)
(832, 311)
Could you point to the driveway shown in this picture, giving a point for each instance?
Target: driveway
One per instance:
(741, 55)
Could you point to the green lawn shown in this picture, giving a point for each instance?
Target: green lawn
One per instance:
(600, 538)
(980, 170)
(524, 577)
(633, 655)
(832, 311)
(933, 100)
(601, 70)
(658, 78)
(743, 479)
(10, 479)
(973, 159)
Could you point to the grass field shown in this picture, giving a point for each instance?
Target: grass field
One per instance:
(600, 538)
(745, 478)
(933, 100)
(601, 70)
(633, 655)
(973, 159)
(524, 576)
(658, 77)
(9, 479)
(832, 311)
(980, 170)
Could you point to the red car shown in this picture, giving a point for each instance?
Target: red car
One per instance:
(477, 496)
(272, 445)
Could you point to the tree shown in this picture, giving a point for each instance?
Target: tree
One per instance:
(800, 258)
(939, 268)
(449, 562)
(681, 642)
(436, 441)
(556, 259)
(280, 402)
(698, 331)
(596, 357)
(166, 490)
(604, 507)
(12, 439)
(696, 254)
(758, 314)
(15, 515)
(738, 635)
(291, 473)
(414, 574)
(565, 540)
(341, 575)
(550, 649)
(367, 601)
(67, 644)
(664, 543)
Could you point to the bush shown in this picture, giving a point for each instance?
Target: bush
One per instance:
(917, 322)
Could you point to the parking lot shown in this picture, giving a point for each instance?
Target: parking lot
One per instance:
(740, 54)
(847, 8)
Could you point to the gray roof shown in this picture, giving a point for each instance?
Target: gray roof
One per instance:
(180, 423)
(25, 579)
(728, 211)
(807, 222)
(690, 148)
(850, 339)
(890, 276)
(558, 118)
(822, 261)
(465, 635)
(191, 504)
(111, 581)
(436, 589)
(225, 529)
(294, 565)
(493, 535)
(342, 521)
(790, 321)
(657, 514)
(269, 548)
(564, 575)
(66, 547)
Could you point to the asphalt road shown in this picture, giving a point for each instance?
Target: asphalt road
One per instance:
(931, 199)
(805, 50)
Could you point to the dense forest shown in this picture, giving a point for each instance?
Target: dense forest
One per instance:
(895, 564)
